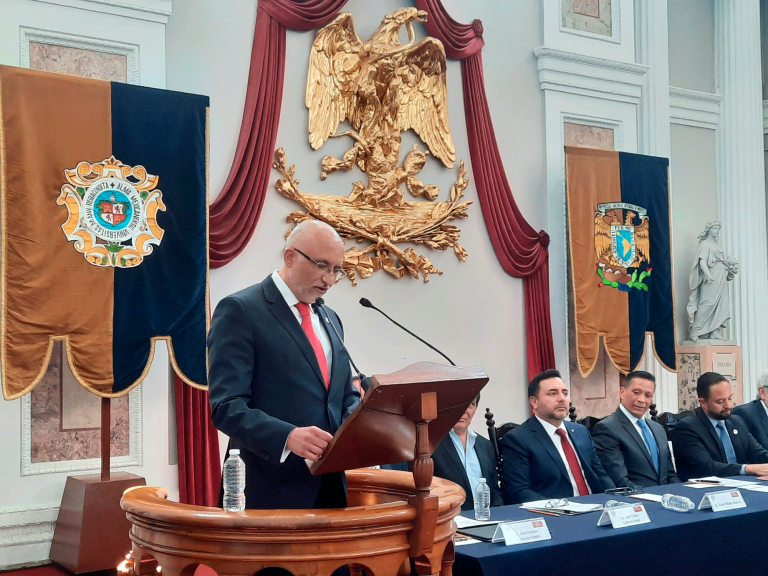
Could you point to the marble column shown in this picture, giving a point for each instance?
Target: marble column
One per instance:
(652, 45)
(741, 178)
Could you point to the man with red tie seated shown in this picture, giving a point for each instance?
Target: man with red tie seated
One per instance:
(280, 380)
(546, 458)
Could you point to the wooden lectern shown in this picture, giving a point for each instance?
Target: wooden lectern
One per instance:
(391, 515)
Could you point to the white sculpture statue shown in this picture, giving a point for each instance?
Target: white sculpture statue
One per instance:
(709, 307)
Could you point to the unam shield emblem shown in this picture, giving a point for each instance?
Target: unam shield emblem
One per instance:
(112, 212)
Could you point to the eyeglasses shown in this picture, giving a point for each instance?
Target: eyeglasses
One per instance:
(324, 267)
(559, 503)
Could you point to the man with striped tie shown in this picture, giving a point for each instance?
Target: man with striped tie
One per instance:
(634, 450)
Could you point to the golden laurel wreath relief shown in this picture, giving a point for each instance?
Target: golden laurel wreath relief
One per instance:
(383, 88)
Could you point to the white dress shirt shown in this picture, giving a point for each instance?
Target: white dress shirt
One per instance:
(551, 432)
(634, 419)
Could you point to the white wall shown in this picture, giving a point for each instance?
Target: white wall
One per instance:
(474, 311)
(693, 190)
(692, 44)
(29, 504)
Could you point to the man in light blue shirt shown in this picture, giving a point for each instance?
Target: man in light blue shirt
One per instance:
(464, 457)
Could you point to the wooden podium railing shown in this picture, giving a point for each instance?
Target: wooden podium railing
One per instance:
(373, 533)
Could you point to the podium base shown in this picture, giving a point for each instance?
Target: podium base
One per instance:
(91, 531)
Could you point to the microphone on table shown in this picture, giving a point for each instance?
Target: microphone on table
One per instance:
(368, 304)
(319, 306)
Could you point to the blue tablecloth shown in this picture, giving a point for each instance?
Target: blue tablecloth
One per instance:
(696, 543)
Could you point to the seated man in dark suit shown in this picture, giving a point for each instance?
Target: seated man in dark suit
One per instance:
(633, 450)
(464, 457)
(712, 442)
(545, 458)
(755, 413)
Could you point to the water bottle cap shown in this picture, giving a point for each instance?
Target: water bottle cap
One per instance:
(234, 452)
(482, 479)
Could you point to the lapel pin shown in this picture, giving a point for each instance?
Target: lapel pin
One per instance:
(735, 431)
(327, 321)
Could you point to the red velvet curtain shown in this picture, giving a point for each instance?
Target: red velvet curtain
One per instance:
(234, 214)
(197, 446)
(522, 251)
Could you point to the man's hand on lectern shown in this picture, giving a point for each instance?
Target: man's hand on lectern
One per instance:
(308, 442)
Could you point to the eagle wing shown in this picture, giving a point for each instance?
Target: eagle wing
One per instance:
(643, 241)
(334, 66)
(602, 238)
(423, 97)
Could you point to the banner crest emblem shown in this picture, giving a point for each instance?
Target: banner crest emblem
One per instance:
(621, 244)
(112, 212)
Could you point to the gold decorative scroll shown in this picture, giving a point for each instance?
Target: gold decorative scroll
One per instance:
(382, 87)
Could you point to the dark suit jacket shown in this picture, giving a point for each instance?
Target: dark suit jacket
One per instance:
(624, 455)
(699, 451)
(533, 469)
(448, 465)
(756, 419)
(264, 381)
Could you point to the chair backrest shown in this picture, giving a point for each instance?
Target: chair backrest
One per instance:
(589, 421)
(669, 419)
(495, 435)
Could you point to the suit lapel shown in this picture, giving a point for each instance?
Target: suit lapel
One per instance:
(741, 456)
(661, 444)
(715, 437)
(453, 457)
(541, 435)
(761, 415)
(283, 314)
(633, 433)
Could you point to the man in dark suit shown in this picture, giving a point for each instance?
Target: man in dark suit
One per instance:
(280, 381)
(634, 450)
(712, 442)
(464, 457)
(755, 413)
(545, 458)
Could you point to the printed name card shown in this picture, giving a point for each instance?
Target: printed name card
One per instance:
(723, 500)
(522, 532)
(623, 516)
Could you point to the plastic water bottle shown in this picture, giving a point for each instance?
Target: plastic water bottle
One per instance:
(614, 504)
(234, 482)
(482, 501)
(677, 503)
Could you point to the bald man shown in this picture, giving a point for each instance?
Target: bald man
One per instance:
(280, 380)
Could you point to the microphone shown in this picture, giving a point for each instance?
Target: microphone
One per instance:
(319, 304)
(368, 304)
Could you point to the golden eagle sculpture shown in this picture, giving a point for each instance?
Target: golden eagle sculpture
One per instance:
(382, 87)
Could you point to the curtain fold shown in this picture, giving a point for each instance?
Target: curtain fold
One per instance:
(197, 443)
(522, 251)
(235, 213)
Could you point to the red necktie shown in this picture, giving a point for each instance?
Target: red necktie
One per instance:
(573, 462)
(306, 325)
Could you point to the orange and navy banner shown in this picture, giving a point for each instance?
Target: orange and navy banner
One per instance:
(104, 230)
(620, 248)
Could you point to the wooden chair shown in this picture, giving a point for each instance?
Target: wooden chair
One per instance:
(495, 435)
(588, 421)
(669, 419)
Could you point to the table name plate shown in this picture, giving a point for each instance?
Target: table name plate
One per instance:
(522, 532)
(623, 516)
(723, 500)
